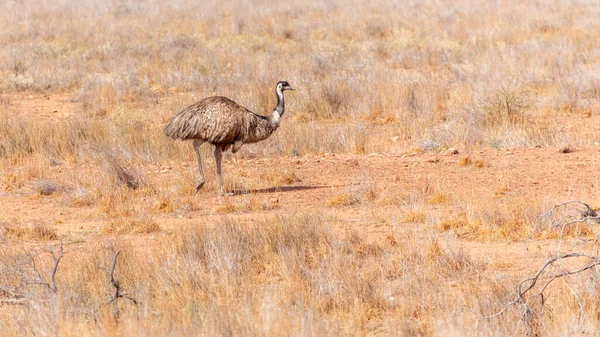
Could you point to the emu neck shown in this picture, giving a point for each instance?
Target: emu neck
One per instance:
(279, 109)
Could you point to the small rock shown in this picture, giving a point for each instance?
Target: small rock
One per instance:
(566, 148)
(274, 200)
(508, 153)
(596, 143)
(373, 154)
(395, 139)
(452, 151)
(165, 170)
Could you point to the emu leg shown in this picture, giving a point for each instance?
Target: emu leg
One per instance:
(197, 143)
(218, 151)
(237, 145)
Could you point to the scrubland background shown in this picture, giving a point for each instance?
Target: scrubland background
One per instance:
(86, 87)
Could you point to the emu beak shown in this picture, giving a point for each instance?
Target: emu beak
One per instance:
(289, 88)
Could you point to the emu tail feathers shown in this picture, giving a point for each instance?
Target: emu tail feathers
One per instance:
(176, 128)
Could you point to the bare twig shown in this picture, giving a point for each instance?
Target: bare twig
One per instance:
(525, 297)
(115, 283)
(586, 214)
(522, 291)
(56, 258)
(11, 295)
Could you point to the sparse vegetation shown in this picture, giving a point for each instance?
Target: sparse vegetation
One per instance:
(130, 226)
(343, 199)
(25, 232)
(295, 270)
(357, 217)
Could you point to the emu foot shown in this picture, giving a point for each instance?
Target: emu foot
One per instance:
(199, 186)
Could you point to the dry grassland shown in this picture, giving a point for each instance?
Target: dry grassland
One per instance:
(354, 218)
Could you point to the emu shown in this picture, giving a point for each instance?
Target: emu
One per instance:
(224, 123)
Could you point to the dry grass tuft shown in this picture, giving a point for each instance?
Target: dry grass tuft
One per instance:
(130, 226)
(413, 216)
(164, 205)
(281, 178)
(465, 161)
(508, 104)
(343, 199)
(125, 176)
(225, 207)
(253, 205)
(513, 219)
(361, 193)
(33, 232)
(437, 198)
(44, 187)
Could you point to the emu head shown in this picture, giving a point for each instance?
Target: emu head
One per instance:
(283, 85)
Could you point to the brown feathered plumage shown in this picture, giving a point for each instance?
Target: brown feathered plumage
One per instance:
(224, 123)
(219, 120)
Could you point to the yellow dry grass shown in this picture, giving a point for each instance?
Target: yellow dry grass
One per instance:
(32, 232)
(285, 274)
(385, 77)
(234, 277)
(130, 226)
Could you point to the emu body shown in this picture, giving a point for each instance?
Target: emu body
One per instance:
(224, 123)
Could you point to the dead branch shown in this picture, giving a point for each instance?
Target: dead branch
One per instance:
(525, 294)
(522, 296)
(586, 214)
(115, 283)
(14, 296)
(56, 258)
(589, 213)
